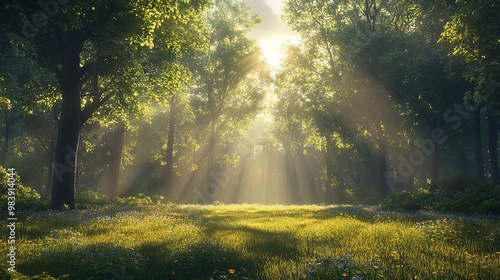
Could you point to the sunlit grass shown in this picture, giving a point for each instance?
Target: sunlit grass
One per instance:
(257, 242)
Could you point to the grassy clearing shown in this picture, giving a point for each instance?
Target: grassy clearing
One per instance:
(256, 242)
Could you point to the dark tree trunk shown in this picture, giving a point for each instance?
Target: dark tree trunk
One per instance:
(435, 165)
(308, 179)
(290, 178)
(330, 172)
(115, 162)
(493, 146)
(65, 160)
(382, 163)
(463, 161)
(435, 159)
(287, 176)
(478, 146)
(50, 165)
(297, 182)
(169, 158)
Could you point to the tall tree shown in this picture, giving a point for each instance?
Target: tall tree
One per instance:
(71, 38)
(471, 34)
(349, 58)
(228, 77)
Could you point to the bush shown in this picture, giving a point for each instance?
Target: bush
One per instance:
(158, 199)
(92, 198)
(26, 197)
(460, 194)
(453, 185)
(406, 200)
(140, 199)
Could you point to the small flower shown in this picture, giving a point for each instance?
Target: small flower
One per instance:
(231, 271)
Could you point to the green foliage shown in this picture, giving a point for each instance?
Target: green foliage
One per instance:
(460, 194)
(230, 78)
(113, 46)
(406, 200)
(26, 197)
(452, 185)
(140, 199)
(408, 57)
(92, 198)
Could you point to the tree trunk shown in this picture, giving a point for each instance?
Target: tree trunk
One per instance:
(478, 146)
(330, 172)
(435, 165)
(382, 163)
(50, 165)
(169, 158)
(493, 146)
(211, 151)
(287, 176)
(115, 161)
(65, 160)
(435, 159)
(463, 161)
(296, 186)
(308, 179)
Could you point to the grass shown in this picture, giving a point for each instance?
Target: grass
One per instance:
(255, 242)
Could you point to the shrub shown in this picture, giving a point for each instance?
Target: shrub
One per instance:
(406, 200)
(453, 185)
(140, 199)
(460, 194)
(157, 199)
(92, 198)
(26, 197)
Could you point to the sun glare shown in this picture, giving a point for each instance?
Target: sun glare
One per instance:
(272, 48)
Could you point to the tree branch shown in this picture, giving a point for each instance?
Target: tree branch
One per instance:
(97, 100)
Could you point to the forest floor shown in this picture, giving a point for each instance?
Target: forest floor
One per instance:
(254, 242)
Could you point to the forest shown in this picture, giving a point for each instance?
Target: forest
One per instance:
(123, 97)
(375, 105)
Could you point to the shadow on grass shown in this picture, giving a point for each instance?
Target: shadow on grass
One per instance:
(200, 260)
(217, 256)
(97, 261)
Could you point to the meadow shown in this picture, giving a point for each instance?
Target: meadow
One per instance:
(253, 242)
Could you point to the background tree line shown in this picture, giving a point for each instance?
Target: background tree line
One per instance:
(155, 97)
